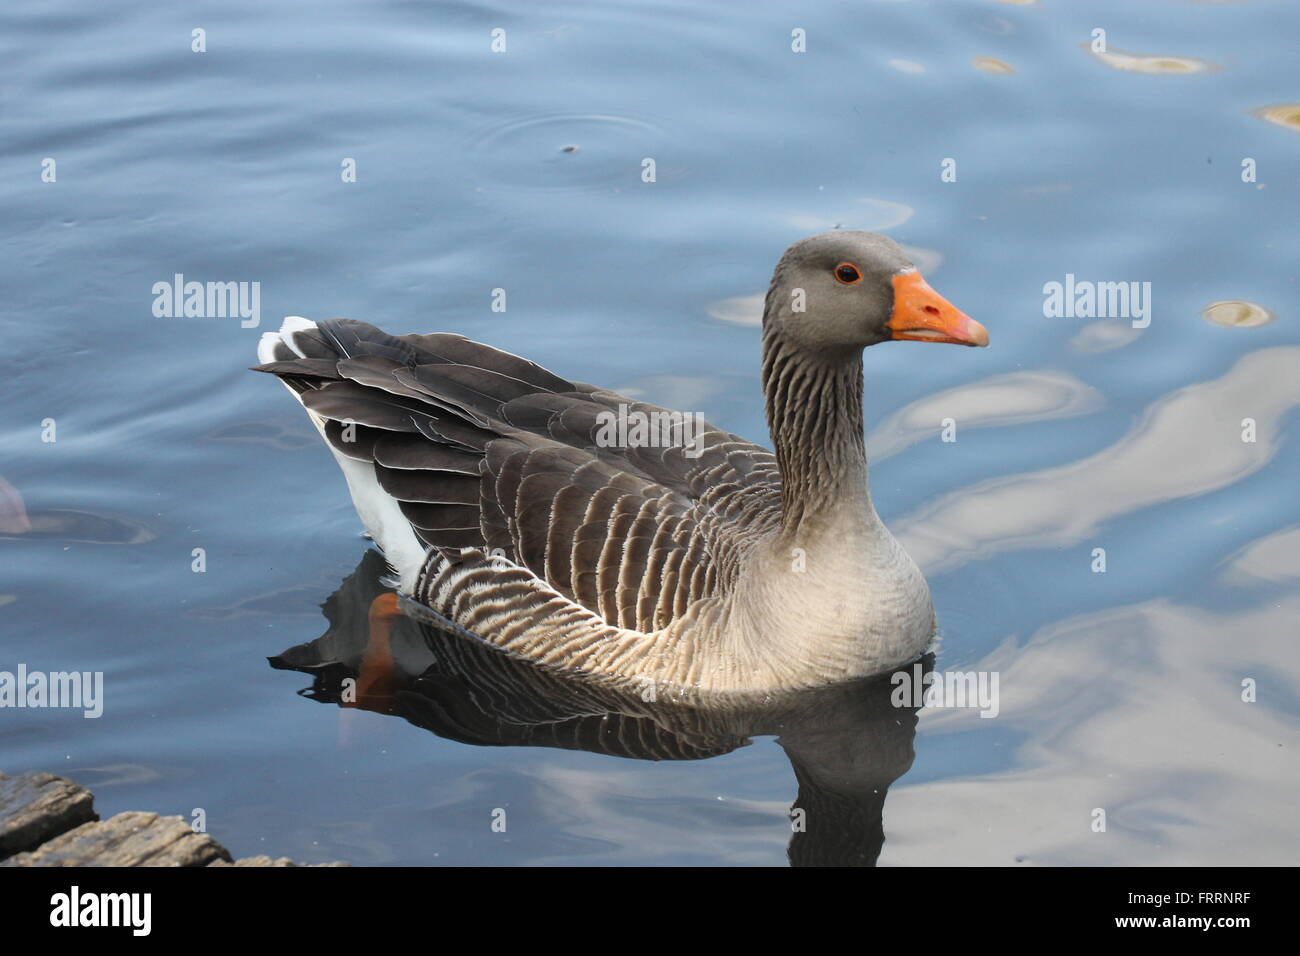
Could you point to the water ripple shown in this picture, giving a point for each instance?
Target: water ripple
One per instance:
(567, 151)
(1012, 399)
(1149, 63)
(1188, 443)
(1237, 314)
(1281, 114)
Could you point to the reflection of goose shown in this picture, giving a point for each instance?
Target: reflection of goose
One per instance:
(846, 743)
(575, 527)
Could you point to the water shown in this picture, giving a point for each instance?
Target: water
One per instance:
(1120, 691)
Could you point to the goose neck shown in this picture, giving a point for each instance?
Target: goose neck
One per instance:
(814, 412)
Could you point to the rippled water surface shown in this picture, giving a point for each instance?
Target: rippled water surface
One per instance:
(522, 170)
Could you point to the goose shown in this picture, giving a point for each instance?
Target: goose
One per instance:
(682, 557)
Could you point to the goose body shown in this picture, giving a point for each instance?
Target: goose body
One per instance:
(517, 506)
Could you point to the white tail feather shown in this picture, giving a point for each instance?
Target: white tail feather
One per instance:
(378, 510)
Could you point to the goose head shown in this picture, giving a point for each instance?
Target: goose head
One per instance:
(841, 291)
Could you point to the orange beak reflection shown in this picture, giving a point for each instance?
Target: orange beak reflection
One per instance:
(923, 315)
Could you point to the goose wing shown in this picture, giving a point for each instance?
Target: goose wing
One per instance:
(484, 449)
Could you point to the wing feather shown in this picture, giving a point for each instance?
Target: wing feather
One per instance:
(484, 449)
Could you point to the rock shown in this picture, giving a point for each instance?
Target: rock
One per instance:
(256, 861)
(46, 820)
(128, 839)
(37, 806)
(267, 861)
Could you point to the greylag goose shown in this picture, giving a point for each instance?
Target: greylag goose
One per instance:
(543, 517)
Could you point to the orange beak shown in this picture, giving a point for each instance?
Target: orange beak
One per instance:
(923, 315)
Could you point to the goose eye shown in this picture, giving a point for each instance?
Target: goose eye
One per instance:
(847, 273)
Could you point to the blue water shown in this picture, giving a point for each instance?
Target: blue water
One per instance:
(1119, 690)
